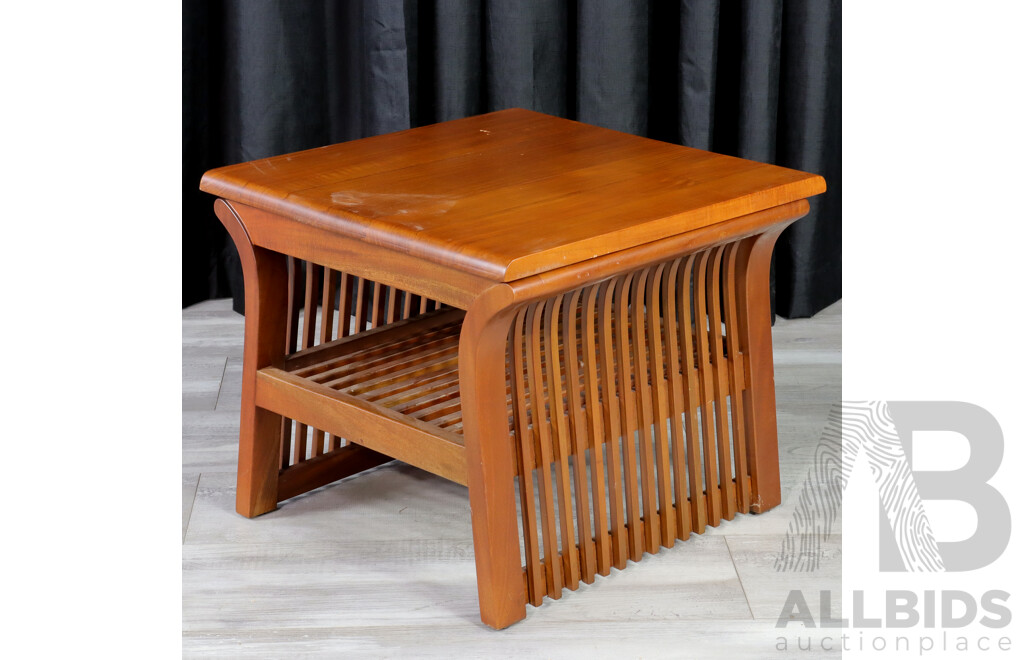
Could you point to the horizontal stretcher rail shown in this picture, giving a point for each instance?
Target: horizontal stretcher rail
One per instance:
(363, 423)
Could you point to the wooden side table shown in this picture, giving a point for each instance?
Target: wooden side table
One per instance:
(571, 321)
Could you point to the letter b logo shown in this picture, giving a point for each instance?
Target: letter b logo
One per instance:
(966, 484)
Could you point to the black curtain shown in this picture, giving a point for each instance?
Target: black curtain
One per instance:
(758, 79)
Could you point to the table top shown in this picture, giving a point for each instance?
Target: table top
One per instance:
(509, 194)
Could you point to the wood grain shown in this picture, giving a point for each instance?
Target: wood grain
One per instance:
(489, 458)
(482, 201)
(259, 449)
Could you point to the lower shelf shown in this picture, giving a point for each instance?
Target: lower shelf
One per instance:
(410, 367)
(394, 389)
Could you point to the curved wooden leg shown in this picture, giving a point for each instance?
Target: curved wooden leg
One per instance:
(266, 295)
(756, 339)
(491, 464)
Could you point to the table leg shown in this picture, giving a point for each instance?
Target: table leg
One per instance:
(491, 465)
(759, 400)
(266, 295)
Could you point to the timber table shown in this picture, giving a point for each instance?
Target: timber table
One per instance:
(571, 321)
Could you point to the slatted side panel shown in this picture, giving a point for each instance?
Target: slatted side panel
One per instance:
(324, 305)
(624, 429)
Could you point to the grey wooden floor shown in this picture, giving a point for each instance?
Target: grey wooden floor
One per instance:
(381, 564)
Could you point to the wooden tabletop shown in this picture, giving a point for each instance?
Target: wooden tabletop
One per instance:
(511, 193)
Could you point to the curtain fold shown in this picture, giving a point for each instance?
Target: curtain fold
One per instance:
(454, 50)
(698, 59)
(612, 83)
(758, 79)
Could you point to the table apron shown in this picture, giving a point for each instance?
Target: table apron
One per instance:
(373, 262)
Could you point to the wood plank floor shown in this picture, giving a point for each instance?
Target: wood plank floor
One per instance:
(381, 564)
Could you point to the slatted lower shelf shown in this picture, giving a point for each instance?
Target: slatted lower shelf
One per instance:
(384, 389)
(409, 368)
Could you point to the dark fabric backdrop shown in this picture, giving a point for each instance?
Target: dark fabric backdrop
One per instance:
(758, 79)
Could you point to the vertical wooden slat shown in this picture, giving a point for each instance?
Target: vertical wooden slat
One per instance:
(307, 338)
(536, 583)
(311, 298)
(377, 305)
(721, 384)
(344, 328)
(705, 377)
(652, 526)
(407, 305)
(613, 421)
(578, 437)
(330, 289)
(359, 313)
(286, 443)
(317, 437)
(736, 384)
(595, 428)
(385, 300)
(561, 436)
(698, 502)
(291, 343)
(659, 404)
(326, 334)
(298, 444)
(627, 400)
(675, 396)
(295, 292)
(392, 305)
(543, 434)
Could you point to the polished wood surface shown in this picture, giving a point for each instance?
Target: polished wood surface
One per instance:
(509, 194)
(265, 295)
(580, 335)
